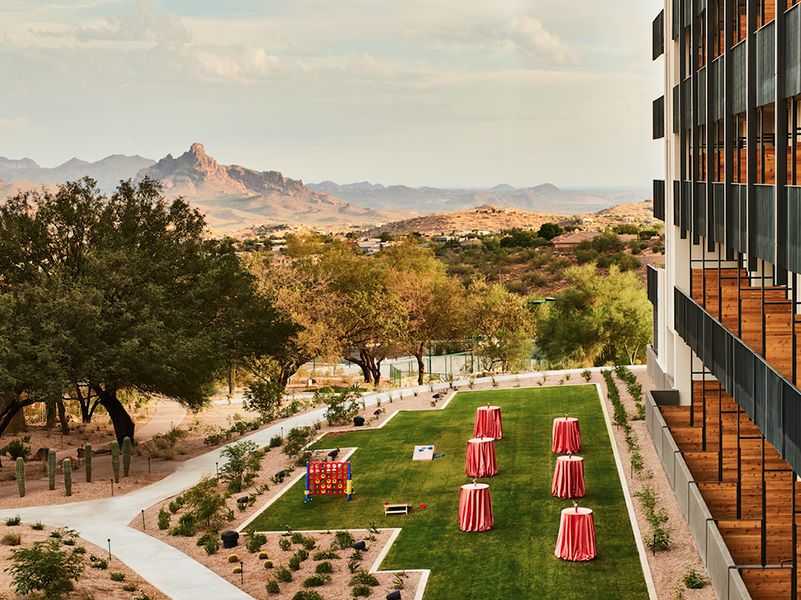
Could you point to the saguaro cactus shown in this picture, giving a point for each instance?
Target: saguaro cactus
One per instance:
(68, 476)
(51, 469)
(126, 456)
(87, 457)
(21, 476)
(115, 460)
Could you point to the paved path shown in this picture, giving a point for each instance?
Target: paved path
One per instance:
(172, 572)
(168, 414)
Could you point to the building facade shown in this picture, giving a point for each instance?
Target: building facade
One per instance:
(726, 357)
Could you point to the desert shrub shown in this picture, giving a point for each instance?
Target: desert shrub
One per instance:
(255, 542)
(242, 464)
(316, 581)
(211, 545)
(296, 538)
(13, 521)
(283, 574)
(586, 374)
(307, 595)
(206, 504)
(176, 504)
(38, 526)
(693, 579)
(164, 519)
(284, 544)
(18, 449)
(364, 578)
(273, 587)
(186, 526)
(129, 587)
(117, 576)
(342, 540)
(297, 439)
(342, 405)
(361, 591)
(323, 568)
(98, 563)
(326, 555)
(11, 539)
(45, 567)
(276, 441)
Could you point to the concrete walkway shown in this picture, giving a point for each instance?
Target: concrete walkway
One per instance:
(168, 414)
(172, 572)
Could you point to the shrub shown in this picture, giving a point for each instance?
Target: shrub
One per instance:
(13, 521)
(11, 539)
(324, 567)
(38, 526)
(176, 504)
(364, 578)
(586, 374)
(294, 563)
(45, 567)
(342, 540)
(316, 581)
(206, 504)
(186, 526)
(361, 591)
(18, 449)
(283, 574)
(342, 406)
(273, 587)
(276, 441)
(79, 550)
(255, 542)
(296, 440)
(99, 563)
(326, 555)
(659, 539)
(307, 596)
(243, 462)
(164, 519)
(693, 579)
(211, 545)
(129, 587)
(117, 576)
(284, 544)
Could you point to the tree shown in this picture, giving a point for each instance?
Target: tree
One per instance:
(433, 301)
(146, 300)
(596, 320)
(242, 463)
(549, 231)
(502, 325)
(45, 567)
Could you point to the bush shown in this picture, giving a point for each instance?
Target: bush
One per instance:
(255, 542)
(297, 439)
(284, 544)
(117, 576)
(164, 519)
(324, 567)
(307, 596)
(38, 526)
(326, 555)
(364, 578)
(659, 539)
(186, 526)
(176, 504)
(693, 579)
(316, 581)
(44, 567)
(342, 405)
(206, 505)
(361, 591)
(18, 449)
(99, 563)
(13, 521)
(273, 587)
(129, 587)
(243, 462)
(283, 574)
(586, 374)
(11, 539)
(276, 441)
(342, 540)
(211, 545)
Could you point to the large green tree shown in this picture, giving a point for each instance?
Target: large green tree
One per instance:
(148, 301)
(596, 320)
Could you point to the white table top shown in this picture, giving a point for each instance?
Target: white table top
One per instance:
(480, 440)
(581, 510)
(565, 419)
(475, 486)
(489, 408)
(569, 458)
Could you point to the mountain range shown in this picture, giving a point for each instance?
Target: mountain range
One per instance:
(235, 197)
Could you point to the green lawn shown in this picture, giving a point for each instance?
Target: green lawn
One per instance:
(515, 560)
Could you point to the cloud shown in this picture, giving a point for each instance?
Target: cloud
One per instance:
(240, 63)
(144, 24)
(12, 122)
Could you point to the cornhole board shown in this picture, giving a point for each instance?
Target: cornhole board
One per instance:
(423, 453)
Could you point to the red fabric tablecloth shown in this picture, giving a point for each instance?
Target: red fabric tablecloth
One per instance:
(576, 540)
(480, 461)
(488, 422)
(568, 477)
(475, 508)
(566, 435)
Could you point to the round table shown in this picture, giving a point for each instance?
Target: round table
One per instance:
(488, 422)
(475, 508)
(480, 460)
(568, 477)
(576, 540)
(566, 435)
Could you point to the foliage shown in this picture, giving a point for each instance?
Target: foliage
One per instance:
(206, 505)
(272, 587)
(364, 578)
(342, 406)
(11, 539)
(316, 581)
(323, 568)
(163, 519)
(596, 319)
(693, 579)
(13, 521)
(242, 464)
(264, 396)
(117, 576)
(307, 595)
(343, 540)
(359, 591)
(326, 555)
(284, 544)
(18, 448)
(45, 567)
(283, 574)
(255, 542)
(297, 439)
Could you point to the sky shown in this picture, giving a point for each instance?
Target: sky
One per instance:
(462, 93)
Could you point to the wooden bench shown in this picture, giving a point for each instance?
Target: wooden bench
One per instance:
(401, 508)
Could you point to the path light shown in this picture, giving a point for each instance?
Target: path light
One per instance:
(143, 519)
(216, 469)
(109, 549)
(148, 465)
(112, 486)
(242, 572)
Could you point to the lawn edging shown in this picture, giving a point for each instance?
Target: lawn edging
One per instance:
(646, 568)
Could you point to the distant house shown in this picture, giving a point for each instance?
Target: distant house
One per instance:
(568, 241)
(442, 238)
